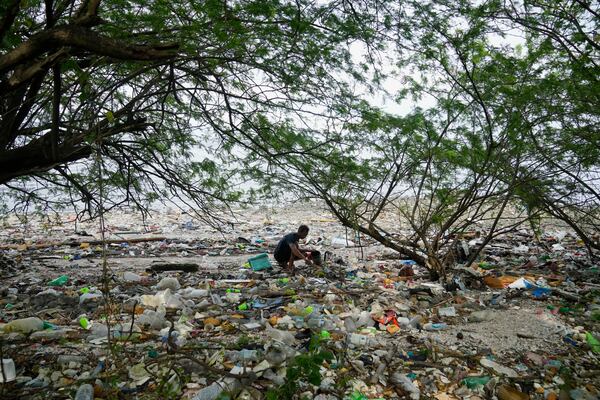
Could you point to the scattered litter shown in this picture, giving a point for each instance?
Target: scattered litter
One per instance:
(200, 314)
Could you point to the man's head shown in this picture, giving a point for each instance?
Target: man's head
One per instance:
(303, 231)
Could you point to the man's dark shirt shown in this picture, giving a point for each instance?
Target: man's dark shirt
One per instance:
(283, 252)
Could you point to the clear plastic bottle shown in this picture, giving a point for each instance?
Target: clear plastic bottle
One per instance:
(430, 326)
(10, 373)
(360, 340)
(85, 392)
(24, 325)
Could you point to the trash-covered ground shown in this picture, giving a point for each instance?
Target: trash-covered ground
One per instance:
(189, 317)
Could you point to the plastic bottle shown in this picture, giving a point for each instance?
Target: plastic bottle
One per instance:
(414, 322)
(131, 277)
(364, 319)
(349, 325)
(60, 281)
(280, 336)
(360, 340)
(84, 322)
(338, 243)
(155, 319)
(593, 342)
(88, 297)
(481, 316)
(447, 312)
(473, 381)
(168, 283)
(325, 335)
(85, 392)
(230, 386)
(435, 326)
(406, 384)
(195, 293)
(10, 373)
(358, 396)
(316, 323)
(24, 325)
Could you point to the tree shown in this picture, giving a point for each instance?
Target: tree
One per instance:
(465, 161)
(563, 120)
(159, 91)
(120, 96)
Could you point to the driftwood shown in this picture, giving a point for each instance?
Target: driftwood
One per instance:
(566, 295)
(79, 242)
(185, 267)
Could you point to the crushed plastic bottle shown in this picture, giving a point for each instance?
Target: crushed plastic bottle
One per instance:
(131, 277)
(430, 326)
(498, 368)
(481, 316)
(60, 281)
(243, 355)
(280, 336)
(593, 342)
(24, 325)
(361, 340)
(155, 319)
(339, 243)
(358, 396)
(447, 312)
(9, 370)
(168, 283)
(85, 392)
(325, 335)
(84, 322)
(404, 382)
(474, 381)
(84, 298)
(191, 293)
(227, 386)
(277, 353)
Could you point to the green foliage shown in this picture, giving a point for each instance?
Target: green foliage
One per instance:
(280, 94)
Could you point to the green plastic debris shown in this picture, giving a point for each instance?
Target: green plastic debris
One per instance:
(84, 290)
(283, 281)
(233, 291)
(243, 306)
(152, 353)
(61, 280)
(474, 381)
(85, 323)
(485, 265)
(325, 335)
(358, 396)
(48, 325)
(308, 310)
(593, 342)
(8, 306)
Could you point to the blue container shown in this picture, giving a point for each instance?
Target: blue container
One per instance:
(260, 262)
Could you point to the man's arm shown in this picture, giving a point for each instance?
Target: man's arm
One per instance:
(296, 252)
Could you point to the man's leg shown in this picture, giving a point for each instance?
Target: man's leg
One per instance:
(291, 269)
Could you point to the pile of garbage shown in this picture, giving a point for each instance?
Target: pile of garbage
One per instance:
(224, 321)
